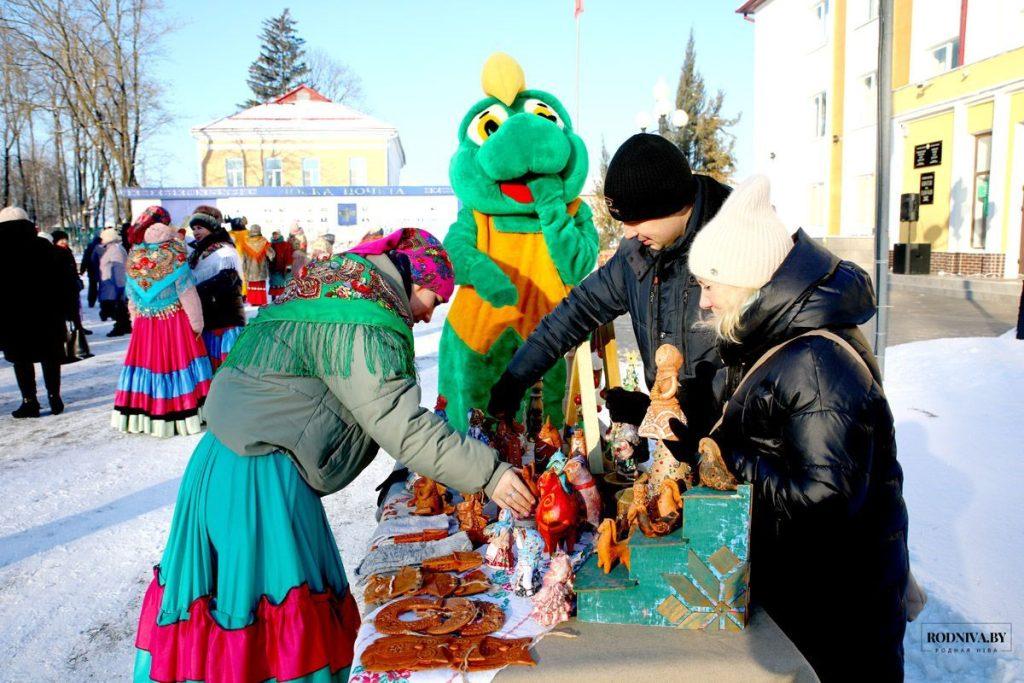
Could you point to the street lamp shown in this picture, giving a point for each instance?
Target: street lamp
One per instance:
(664, 111)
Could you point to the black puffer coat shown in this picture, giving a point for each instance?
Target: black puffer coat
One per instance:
(661, 297)
(32, 310)
(812, 431)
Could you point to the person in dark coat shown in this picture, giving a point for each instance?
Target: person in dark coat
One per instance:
(91, 266)
(33, 316)
(811, 430)
(663, 205)
(71, 286)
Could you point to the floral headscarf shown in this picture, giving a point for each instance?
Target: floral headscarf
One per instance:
(431, 267)
(152, 215)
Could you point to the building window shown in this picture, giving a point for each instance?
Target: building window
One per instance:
(357, 171)
(310, 171)
(819, 115)
(944, 57)
(982, 168)
(870, 9)
(234, 172)
(272, 172)
(821, 19)
(868, 95)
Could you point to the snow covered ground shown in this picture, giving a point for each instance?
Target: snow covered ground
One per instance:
(84, 511)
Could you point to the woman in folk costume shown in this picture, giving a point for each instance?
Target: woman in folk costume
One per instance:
(218, 273)
(166, 373)
(112, 283)
(251, 585)
(300, 257)
(279, 267)
(256, 258)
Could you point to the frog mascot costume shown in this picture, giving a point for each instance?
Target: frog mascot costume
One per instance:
(522, 239)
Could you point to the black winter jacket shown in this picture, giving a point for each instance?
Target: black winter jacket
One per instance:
(661, 297)
(32, 312)
(812, 431)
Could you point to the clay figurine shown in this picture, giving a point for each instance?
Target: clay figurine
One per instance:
(508, 442)
(499, 537)
(578, 473)
(578, 443)
(639, 513)
(529, 546)
(625, 444)
(535, 413)
(558, 513)
(428, 497)
(713, 472)
(470, 515)
(631, 378)
(553, 603)
(441, 408)
(549, 442)
(609, 548)
(476, 418)
(664, 404)
(665, 466)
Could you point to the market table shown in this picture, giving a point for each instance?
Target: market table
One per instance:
(611, 652)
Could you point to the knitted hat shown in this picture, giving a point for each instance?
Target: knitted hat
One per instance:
(58, 235)
(746, 241)
(12, 214)
(255, 230)
(206, 216)
(109, 236)
(648, 178)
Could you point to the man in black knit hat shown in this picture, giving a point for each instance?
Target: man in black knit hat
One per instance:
(662, 205)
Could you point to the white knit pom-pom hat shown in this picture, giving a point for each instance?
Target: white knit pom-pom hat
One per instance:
(746, 241)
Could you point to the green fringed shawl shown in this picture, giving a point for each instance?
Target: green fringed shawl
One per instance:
(315, 337)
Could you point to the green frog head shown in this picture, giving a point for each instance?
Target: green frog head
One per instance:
(513, 142)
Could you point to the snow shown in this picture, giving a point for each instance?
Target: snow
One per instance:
(86, 510)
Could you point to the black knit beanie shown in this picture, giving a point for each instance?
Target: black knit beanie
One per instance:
(648, 178)
(207, 216)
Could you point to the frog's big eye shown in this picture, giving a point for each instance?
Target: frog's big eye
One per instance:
(541, 108)
(486, 123)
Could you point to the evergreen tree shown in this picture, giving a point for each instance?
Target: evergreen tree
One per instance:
(704, 140)
(280, 66)
(609, 230)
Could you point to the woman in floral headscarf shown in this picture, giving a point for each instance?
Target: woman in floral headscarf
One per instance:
(319, 380)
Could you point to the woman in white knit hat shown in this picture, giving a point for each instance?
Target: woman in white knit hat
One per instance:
(807, 423)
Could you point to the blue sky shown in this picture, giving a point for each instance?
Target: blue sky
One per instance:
(420, 63)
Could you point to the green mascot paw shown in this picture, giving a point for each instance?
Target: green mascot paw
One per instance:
(494, 286)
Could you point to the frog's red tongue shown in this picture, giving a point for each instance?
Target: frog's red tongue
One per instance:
(517, 191)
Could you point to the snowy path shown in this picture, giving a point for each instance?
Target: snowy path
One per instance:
(86, 510)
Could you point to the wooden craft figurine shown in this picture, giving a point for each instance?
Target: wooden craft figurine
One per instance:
(529, 546)
(548, 443)
(529, 474)
(639, 513)
(713, 472)
(476, 429)
(578, 473)
(626, 446)
(558, 513)
(609, 548)
(535, 413)
(664, 404)
(553, 602)
(669, 504)
(428, 497)
(384, 587)
(457, 561)
(508, 441)
(499, 537)
(470, 515)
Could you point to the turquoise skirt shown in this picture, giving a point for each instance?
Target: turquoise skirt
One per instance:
(251, 585)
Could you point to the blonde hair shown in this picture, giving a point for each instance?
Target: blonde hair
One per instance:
(727, 324)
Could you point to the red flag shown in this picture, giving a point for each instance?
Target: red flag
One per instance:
(579, 9)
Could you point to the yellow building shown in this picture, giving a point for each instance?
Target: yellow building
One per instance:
(299, 139)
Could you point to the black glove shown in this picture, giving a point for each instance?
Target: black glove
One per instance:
(507, 396)
(627, 406)
(685, 449)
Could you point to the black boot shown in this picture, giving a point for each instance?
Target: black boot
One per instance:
(29, 408)
(56, 404)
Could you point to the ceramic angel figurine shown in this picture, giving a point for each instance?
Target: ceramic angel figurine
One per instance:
(499, 537)
(664, 404)
(553, 603)
(529, 546)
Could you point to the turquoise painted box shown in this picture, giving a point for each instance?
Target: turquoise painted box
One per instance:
(697, 577)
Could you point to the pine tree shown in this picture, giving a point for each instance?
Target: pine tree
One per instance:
(609, 230)
(280, 66)
(704, 140)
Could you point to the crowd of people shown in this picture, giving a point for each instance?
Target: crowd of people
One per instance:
(296, 401)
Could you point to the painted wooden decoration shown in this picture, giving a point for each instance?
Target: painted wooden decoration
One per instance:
(696, 577)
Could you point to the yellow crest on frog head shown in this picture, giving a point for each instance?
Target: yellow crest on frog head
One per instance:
(503, 78)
